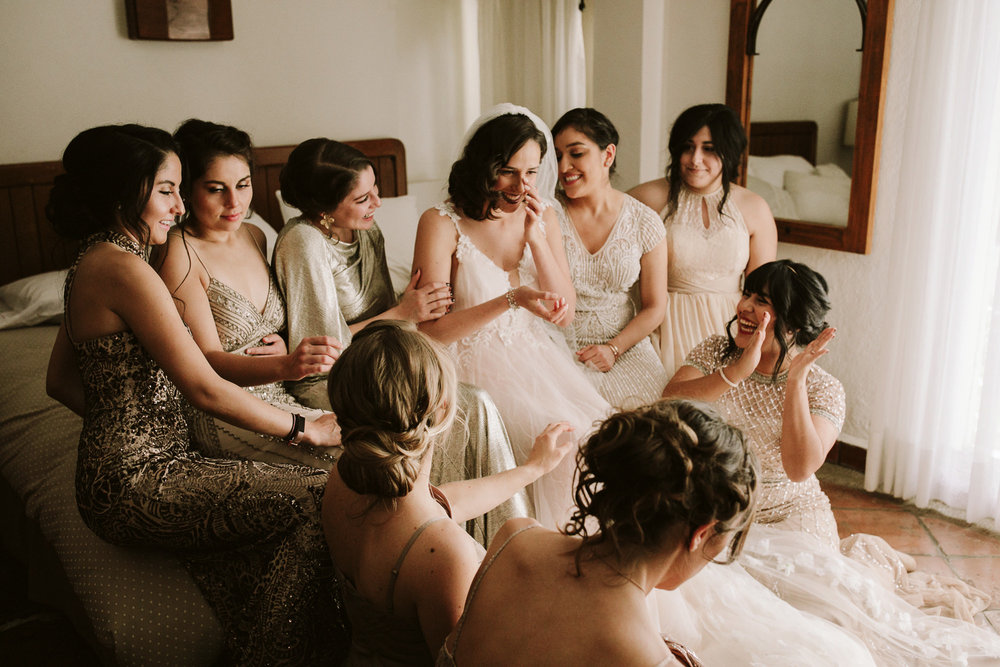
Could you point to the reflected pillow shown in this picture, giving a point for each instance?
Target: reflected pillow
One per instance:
(778, 199)
(772, 168)
(33, 300)
(818, 198)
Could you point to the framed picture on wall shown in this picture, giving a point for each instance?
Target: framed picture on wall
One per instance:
(179, 20)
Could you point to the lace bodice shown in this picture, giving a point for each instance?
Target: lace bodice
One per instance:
(604, 279)
(706, 259)
(756, 407)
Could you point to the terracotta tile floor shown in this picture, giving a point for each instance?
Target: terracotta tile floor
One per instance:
(940, 545)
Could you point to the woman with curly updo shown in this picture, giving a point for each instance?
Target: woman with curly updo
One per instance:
(661, 491)
(405, 564)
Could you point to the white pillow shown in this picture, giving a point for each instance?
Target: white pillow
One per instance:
(824, 199)
(268, 230)
(32, 300)
(772, 169)
(832, 170)
(397, 218)
(287, 212)
(778, 199)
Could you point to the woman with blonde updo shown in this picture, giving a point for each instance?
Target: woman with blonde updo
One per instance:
(404, 563)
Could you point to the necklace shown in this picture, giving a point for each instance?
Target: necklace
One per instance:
(625, 577)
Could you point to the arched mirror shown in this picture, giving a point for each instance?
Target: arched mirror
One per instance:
(816, 128)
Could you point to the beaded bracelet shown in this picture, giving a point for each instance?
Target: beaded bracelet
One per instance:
(511, 301)
(727, 380)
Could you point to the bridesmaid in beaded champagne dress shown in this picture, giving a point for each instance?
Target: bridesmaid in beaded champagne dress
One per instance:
(764, 381)
(717, 231)
(248, 532)
(330, 263)
(618, 261)
(497, 241)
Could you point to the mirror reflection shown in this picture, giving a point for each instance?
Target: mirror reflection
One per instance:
(802, 121)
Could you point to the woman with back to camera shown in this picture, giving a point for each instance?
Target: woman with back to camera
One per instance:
(215, 266)
(614, 245)
(331, 265)
(765, 381)
(717, 231)
(497, 241)
(248, 532)
(404, 562)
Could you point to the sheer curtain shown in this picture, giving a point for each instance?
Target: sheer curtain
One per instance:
(936, 430)
(531, 53)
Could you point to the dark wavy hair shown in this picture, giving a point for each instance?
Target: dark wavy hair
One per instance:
(388, 389)
(200, 142)
(472, 177)
(320, 174)
(800, 298)
(728, 138)
(596, 126)
(109, 175)
(648, 478)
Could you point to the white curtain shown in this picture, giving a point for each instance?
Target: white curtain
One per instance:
(936, 429)
(531, 53)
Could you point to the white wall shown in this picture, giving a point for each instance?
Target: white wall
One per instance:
(348, 69)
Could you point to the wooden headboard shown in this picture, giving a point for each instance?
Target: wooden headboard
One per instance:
(32, 246)
(787, 137)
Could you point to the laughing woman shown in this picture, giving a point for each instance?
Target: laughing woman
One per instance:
(615, 245)
(331, 266)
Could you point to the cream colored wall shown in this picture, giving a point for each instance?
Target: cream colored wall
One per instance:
(347, 69)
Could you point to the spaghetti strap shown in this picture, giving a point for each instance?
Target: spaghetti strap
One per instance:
(399, 561)
(257, 245)
(191, 249)
(475, 585)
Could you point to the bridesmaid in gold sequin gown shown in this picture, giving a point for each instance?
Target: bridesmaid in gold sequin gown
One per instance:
(331, 267)
(248, 532)
(765, 381)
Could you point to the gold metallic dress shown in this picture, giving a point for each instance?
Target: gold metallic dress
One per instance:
(327, 286)
(248, 532)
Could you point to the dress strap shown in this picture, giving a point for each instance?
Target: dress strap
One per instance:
(399, 561)
(475, 584)
(191, 249)
(257, 245)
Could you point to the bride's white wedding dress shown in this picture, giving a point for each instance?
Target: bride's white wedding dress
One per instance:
(531, 375)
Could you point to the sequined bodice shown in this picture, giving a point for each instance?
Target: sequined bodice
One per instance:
(604, 279)
(238, 321)
(706, 259)
(755, 407)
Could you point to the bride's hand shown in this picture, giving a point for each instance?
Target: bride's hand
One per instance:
(551, 447)
(536, 302)
(533, 209)
(798, 368)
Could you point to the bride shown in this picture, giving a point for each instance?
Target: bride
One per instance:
(496, 240)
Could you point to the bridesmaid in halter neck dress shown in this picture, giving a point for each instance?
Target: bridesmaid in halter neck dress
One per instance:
(717, 231)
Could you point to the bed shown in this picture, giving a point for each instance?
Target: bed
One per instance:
(782, 169)
(133, 606)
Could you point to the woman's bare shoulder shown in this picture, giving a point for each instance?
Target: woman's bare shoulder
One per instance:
(653, 194)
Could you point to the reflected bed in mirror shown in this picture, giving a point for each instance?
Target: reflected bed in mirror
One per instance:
(816, 188)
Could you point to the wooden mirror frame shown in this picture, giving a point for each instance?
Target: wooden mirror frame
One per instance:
(857, 235)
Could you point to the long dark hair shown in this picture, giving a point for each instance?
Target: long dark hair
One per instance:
(472, 177)
(593, 124)
(800, 298)
(728, 138)
(652, 476)
(320, 174)
(200, 142)
(109, 177)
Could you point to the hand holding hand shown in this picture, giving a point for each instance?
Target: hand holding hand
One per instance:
(271, 345)
(313, 355)
(550, 448)
(537, 302)
(424, 303)
(599, 357)
(798, 369)
(743, 367)
(323, 432)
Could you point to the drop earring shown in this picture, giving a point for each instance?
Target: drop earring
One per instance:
(326, 222)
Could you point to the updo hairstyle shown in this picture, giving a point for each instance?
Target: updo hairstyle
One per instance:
(393, 391)
(109, 175)
(728, 139)
(320, 173)
(799, 297)
(648, 478)
(596, 126)
(474, 175)
(201, 142)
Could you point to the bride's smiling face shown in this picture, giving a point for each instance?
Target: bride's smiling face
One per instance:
(515, 177)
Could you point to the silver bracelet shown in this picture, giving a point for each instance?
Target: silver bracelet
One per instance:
(727, 380)
(511, 301)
